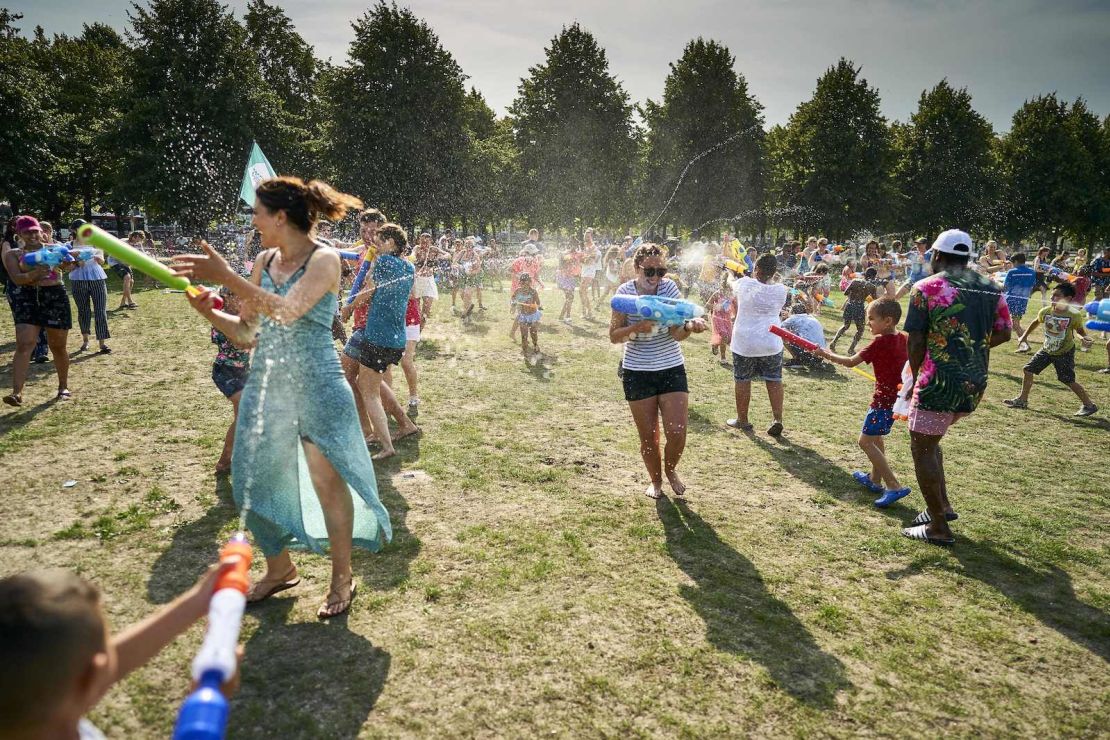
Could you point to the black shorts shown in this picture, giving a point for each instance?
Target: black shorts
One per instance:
(641, 384)
(45, 307)
(855, 312)
(372, 355)
(230, 380)
(121, 269)
(1064, 365)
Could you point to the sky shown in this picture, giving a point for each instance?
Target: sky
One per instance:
(1003, 51)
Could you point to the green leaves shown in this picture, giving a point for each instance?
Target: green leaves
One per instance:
(573, 126)
(705, 102)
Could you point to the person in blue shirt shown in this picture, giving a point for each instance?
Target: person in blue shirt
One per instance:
(1017, 288)
(381, 342)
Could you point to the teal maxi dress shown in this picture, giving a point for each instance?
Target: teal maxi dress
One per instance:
(296, 391)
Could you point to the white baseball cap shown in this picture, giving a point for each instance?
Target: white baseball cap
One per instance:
(953, 241)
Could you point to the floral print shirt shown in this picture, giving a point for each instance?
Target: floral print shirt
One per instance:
(957, 312)
(227, 354)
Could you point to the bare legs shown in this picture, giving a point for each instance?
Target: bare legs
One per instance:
(568, 302)
(128, 282)
(881, 472)
(928, 463)
(224, 463)
(646, 413)
(351, 372)
(840, 333)
(26, 336)
(584, 294)
(743, 392)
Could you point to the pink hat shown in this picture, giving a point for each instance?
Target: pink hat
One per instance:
(27, 223)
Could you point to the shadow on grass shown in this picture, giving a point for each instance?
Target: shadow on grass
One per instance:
(540, 368)
(305, 679)
(812, 467)
(194, 545)
(1045, 592)
(741, 616)
(14, 420)
(427, 349)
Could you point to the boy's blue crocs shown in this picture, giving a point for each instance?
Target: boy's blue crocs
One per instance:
(890, 496)
(865, 480)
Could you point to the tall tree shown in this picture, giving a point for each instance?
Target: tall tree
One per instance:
(88, 75)
(574, 131)
(491, 164)
(1089, 205)
(196, 96)
(836, 153)
(398, 137)
(1039, 159)
(944, 167)
(29, 136)
(707, 131)
(290, 133)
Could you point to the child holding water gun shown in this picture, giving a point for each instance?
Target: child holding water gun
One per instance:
(1062, 320)
(723, 309)
(887, 354)
(229, 373)
(60, 657)
(527, 313)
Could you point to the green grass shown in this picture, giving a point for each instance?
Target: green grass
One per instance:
(531, 590)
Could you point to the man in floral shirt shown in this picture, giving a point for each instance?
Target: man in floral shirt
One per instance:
(955, 317)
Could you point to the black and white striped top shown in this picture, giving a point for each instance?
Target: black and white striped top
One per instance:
(657, 350)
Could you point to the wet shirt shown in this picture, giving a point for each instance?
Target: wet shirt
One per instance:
(757, 309)
(1018, 286)
(385, 321)
(957, 312)
(887, 356)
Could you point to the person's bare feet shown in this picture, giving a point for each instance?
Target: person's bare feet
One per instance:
(677, 485)
(406, 432)
(654, 490)
(385, 454)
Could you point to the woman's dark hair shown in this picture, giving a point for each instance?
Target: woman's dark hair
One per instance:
(303, 203)
(398, 235)
(372, 215)
(134, 234)
(644, 251)
(766, 264)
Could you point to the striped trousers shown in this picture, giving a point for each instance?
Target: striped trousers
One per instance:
(91, 297)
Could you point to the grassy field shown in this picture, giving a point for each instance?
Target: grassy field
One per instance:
(532, 590)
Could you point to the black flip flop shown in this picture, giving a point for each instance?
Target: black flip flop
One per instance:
(277, 589)
(344, 610)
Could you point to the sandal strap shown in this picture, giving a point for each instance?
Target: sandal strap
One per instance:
(923, 518)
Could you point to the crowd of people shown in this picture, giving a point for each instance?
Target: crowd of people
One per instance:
(313, 421)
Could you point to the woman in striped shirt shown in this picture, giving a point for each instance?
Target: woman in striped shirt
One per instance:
(654, 372)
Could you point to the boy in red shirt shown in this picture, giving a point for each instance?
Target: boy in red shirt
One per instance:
(887, 355)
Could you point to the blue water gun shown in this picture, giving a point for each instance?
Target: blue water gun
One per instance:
(1056, 273)
(82, 254)
(350, 255)
(664, 311)
(1101, 312)
(49, 256)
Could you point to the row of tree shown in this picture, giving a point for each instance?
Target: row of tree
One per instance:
(162, 120)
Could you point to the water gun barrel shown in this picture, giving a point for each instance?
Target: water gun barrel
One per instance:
(666, 311)
(142, 262)
(83, 254)
(49, 256)
(793, 338)
(348, 254)
(203, 715)
(738, 267)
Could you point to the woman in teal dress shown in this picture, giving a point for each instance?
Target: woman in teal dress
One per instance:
(300, 468)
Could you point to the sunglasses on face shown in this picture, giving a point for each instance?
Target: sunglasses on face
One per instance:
(655, 271)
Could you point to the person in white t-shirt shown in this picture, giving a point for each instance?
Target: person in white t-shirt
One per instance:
(756, 352)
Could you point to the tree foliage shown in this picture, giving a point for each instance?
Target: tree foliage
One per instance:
(573, 125)
(944, 172)
(197, 95)
(710, 129)
(835, 153)
(397, 136)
